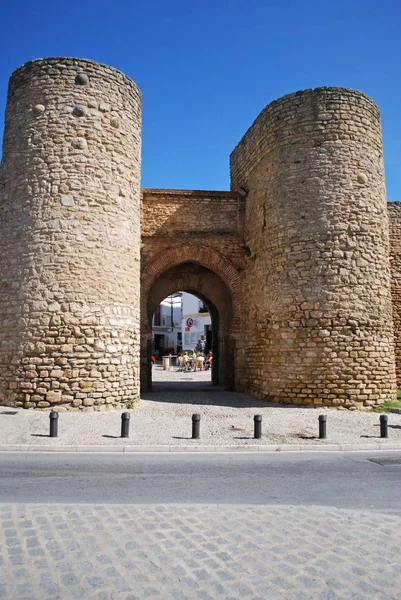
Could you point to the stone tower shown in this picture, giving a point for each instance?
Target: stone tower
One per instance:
(70, 236)
(319, 323)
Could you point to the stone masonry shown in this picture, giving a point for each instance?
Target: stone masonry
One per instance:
(394, 212)
(70, 239)
(318, 285)
(293, 262)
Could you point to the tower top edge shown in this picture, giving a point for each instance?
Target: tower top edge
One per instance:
(69, 61)
(289, 102)
(323, 90)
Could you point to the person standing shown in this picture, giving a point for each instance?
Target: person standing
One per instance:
(199, 361)
(209, 361)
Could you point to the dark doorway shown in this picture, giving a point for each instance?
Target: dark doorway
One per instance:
(159, 345)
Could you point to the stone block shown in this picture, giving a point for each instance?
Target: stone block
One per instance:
(53, 397)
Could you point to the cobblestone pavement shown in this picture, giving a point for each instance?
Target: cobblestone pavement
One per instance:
(197, 552)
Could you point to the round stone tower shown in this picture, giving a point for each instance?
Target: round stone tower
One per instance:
(70, 237)
(319, 323)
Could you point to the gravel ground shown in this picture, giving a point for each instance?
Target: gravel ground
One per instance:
(163, 417)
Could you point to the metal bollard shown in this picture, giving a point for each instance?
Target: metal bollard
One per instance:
(257, 427)
(196, 426)
(125, 417)
(322, 427)
(384, 426)
(53, 423)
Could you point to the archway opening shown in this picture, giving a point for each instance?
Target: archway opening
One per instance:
(208, 287)
(183, 342)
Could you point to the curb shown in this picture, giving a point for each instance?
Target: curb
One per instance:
(373, 446)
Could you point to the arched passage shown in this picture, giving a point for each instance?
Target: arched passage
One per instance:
(217, 283)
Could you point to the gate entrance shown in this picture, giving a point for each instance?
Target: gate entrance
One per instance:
(192, 241)
(208, 287)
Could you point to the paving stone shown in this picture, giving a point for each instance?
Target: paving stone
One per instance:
(226, 561)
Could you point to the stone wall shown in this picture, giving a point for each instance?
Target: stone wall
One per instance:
(70, 237)
(297, 274)
(188, 213)
(319, 322)
(394, 213)
(176, 224)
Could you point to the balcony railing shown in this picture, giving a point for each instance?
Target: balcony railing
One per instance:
(164, 322)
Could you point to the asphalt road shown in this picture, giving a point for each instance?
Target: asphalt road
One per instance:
(341, 480)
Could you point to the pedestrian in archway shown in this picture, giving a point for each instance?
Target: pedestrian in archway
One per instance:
(199, 361)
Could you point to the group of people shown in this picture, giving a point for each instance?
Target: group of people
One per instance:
(194, 361)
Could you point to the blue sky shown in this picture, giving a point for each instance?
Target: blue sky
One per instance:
(207, 68)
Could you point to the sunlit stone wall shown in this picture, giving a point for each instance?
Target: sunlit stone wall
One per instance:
(319, 327)
(70, 237)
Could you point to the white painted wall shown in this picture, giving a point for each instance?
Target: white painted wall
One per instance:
(190, 310)
(169, 332)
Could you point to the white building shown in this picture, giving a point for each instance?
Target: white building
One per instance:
(179, 322)
(196, 323)
(166, 326)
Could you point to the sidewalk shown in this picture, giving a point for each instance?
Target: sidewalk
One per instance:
(162, 422)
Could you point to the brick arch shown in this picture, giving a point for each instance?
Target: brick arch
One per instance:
(230, 334)
(207, 257)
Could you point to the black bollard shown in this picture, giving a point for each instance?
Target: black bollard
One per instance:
(257, 427)
(53, 423)
(125, 425)
(322, 427)
(196, 426)
(383, 426)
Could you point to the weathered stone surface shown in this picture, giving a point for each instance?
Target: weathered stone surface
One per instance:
(79, 143)
(79, 266)
(43, 404)
(394, 210)
(309, 226)
(53, 397)
(67, 200)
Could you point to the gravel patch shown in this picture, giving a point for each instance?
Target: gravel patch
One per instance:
(163, 418)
